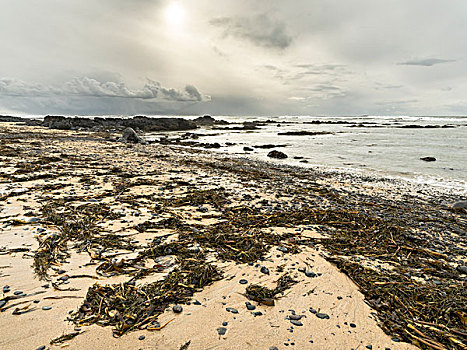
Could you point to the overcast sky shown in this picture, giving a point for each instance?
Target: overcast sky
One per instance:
(248, 57)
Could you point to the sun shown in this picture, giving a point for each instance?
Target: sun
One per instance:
(175, 14)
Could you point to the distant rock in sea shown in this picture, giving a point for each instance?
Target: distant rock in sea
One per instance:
(428, 159)
(277, 155)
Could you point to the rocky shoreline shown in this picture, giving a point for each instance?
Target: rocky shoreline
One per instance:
(194, 250)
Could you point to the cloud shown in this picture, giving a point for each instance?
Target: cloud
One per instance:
(260, 30)
(427, 62)
(89, 87)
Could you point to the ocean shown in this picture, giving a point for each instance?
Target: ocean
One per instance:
(383, 146)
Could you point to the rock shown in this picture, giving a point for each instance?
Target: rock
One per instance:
(353, 325)
(196, 302)
(322, 316)
(460, 205)
(243, 281)
(296, 317)
(248, 149)
(232, 310)
(305, 133)
(221, 330)
(282, 249)
(130, 135)
(2, 303)
(177, 309)
(250, 306)
(462, 269)
(18, 292)
(43, 347)
(277, 155)
(264, 270)
(296, 323)
(257, 313)
(428, 159)
(225, 323)
(310, 274)
(207, 120)
(141, 337)
(46, 308)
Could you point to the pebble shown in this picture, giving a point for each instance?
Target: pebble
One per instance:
(462, 269)
(61, 272)
(313, 311)
(353, 325)
(369, 347)
(283, 249)
(301, 269)
(322, 316)
(273, 348)
(296, 317)
(296, 323)
(310, 274)
(196, 302)
(46, 308)
(6, 289)
(225, 323)
(265, 270)
(18, 292)
(177, 309)
(257, 313)
(41, 347)
(221, 330)
(2, 303)
(249, 306)
(243, 281)
(141, 337)
(232, 310)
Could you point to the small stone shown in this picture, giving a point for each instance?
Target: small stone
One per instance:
(301, 269)
(232, 310)
(257, 313)
(283, 249)
(177, 309)
(395, 340)
(36, 301)
(428, 159)
(462, 269)
(196, 302)
(41, 347)
(6, 289)
(296, 323)
(313, 311)
(221, 330)
(249, 306)
(63, 278)
(339, 298)
(243, 281)
(353, 325)
(47, 308)
(141, 337)
(273, 348)
(2, 303)
(61, 272)
(265, 270)
(225, 323)
(310, 274)
(18, 292)
(369, 347)
(322, 316)
(296, 317)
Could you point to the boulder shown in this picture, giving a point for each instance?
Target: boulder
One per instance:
(277, 155)
(130, 135)
(460, 205)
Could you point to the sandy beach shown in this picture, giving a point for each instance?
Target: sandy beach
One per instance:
(100, 239)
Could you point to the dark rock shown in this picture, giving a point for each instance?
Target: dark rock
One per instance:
(18, 292)
(310, 274)
(296, 323)
(46, 308)
(43, 347)
(277, 155)
(273, 348)
(248, 149)
(177, 309)
(221, 330)
(460, 205)
(243, 281)
(225, 323)
(264, 270)
(129, 135)
(232, 310)
(196, 302)
(141, 337)
(283, 249)
(428, 159)
(296, 317)
(6, 289)
(462, 269)
(2, 303)
(269, 146)
(313, 311)
(250, 306)
(257, 313)
(305, 133)
(353, 325)
(322, 316)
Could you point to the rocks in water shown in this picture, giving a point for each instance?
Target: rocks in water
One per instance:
(305, 133)
(130, 135)
(277, 155)
(232, 310)
(207, 120)
(243, 281)
(428, 159)
(248, 149)
(221, 330)
(322, 316)
(264, 270)
(177, 309)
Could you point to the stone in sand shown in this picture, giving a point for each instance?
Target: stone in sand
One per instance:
(129, 135)
(428, 159)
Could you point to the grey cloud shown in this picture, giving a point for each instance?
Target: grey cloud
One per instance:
(427, 62)
(260, 30)
(89, 87)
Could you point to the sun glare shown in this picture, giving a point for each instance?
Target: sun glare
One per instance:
(175, 14)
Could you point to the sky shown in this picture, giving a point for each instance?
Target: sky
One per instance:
(236, 57)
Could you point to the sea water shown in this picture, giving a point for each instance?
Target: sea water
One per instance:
(377, 145)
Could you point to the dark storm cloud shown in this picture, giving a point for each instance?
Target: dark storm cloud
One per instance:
(427, 62)
(261, 30)
(89, 87)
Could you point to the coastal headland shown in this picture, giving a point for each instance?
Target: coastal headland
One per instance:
(106, 244)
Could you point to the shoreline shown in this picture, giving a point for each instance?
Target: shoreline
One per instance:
(80, 162)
